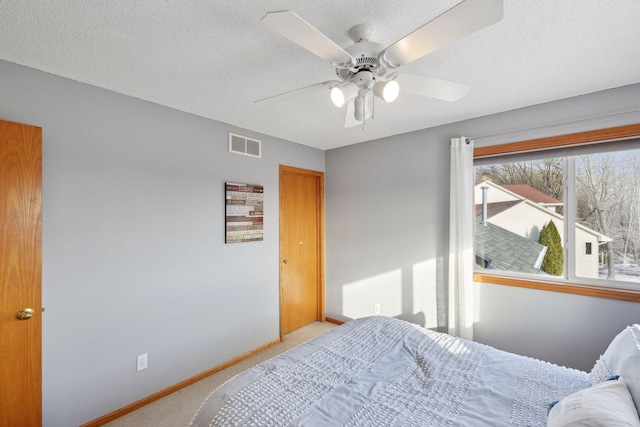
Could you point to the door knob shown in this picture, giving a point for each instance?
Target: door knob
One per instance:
(25, 314)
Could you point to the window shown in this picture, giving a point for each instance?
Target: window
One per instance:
(569, 213)
(519, 219)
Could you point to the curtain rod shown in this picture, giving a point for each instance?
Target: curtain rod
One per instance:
(589, 120)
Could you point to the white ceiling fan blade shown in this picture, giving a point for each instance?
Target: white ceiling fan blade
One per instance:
(296, 93)
(349, 118)
(456, 23)
(299, 31)
(445, 90)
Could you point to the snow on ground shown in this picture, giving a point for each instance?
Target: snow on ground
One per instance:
(624, 273)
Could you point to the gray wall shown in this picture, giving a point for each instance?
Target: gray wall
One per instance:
(387, 233)
(386, 225)
(134, 259)
(566, 329)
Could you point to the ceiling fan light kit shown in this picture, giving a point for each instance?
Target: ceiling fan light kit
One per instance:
(362, 110)
(365, 68)
(340, 95)
(387, 91)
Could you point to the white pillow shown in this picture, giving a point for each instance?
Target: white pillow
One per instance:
(600, 371)
(622, 357)
(606, 404)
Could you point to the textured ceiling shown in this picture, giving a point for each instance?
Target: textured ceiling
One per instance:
(215, 58)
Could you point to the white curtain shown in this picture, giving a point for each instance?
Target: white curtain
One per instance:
(460, 302)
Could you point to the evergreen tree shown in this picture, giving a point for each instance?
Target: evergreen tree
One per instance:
(553, 262)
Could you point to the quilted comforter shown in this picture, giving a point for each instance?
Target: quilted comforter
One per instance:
(380, 371)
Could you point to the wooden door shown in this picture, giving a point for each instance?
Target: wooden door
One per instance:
(20, 274)
(301, 248)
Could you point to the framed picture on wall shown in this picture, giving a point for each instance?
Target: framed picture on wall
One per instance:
(244, 212)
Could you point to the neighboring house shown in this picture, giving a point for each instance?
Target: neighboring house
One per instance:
(510, 210)
(516, 192)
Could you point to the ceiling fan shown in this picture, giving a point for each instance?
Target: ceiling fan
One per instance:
(366, 69)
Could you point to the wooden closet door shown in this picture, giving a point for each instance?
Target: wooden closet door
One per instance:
(301, 248)
(20, 275)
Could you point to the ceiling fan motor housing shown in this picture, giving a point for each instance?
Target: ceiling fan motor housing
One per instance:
(366, 55)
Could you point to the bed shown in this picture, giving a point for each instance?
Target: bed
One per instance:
(380, 371)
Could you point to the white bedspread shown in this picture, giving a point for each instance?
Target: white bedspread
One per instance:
(379, 371)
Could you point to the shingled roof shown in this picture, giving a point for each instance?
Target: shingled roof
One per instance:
(533, 194)
(500, 249)
(496, 207)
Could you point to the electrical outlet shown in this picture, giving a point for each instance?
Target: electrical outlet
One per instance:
(142, 362)
(376, 308)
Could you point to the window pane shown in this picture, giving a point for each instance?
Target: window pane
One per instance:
(519, 216)
(608, 207)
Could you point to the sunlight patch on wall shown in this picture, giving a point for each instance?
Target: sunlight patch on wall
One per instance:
(359, 298)
(424, 291)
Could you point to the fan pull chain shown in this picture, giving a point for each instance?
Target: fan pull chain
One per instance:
(364, 115)
(373, 107)
(364, 118)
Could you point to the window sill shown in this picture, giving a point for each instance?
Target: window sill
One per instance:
(590, 291)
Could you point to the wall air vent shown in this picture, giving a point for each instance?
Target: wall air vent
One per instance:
(246, 146)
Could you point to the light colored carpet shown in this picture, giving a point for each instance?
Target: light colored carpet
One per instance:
(178, 408)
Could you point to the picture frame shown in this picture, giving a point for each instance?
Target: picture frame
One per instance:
(244, 212)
